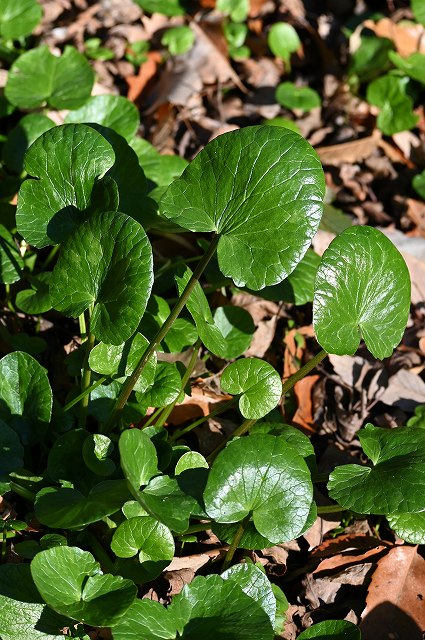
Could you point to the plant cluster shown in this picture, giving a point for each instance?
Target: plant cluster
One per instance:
(105, 493)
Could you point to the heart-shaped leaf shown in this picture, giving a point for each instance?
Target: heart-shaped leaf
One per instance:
(139, 461)
(25, 396)
(362, 289)
(291, 96)
(190, 460)
(413, 66)
(146, 619)
(68, 508)
(37, 299)
(82, 593)
(257, 381)
(165, 389)
(181, 335)
(115, 275)
(237, 327)
(164, 500)
(262, 476)
(66, 161)
(18, 18)
(331, 630)
(11, 263)
(150, 539)
(396, 482)
(283, 40)
(38, 78)
(389, 93)
(96, 451)
(115, 112)
(409, 526)
(24, 614)
(255, 584)
(28, 129)
(261, 190)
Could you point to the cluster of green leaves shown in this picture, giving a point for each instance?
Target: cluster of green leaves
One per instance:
(114, 501)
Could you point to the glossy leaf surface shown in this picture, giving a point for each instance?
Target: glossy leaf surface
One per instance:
(395, 484)
(139, 461)
(331, 630)
(145, 536)
(261, 190)
(115, 276)
(67, 161)
(362, 289)
(409, 526)
(237, 327)
(165, 388)
(255, 584)
(38, 78)
(11, 263)
(265, 477)
(146, 619)
(82, 593)
(115, 112)
(258, 383)
(18, 17)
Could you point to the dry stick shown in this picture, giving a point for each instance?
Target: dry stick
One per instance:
(131, 381)
(187, 374)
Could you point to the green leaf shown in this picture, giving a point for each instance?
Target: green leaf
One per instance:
(37, 299)
(82, 592)
(166, 7)
(237, 9)
(66, 464)
(24, 614)
(139, 461)
(18, 18)
(66, 162)
(413, 66)
(255, 584)
(114, 112)
(182, 334)
(161, 169)
(165, 389)
(293, 436)
(362, 289)
(283, 40)
(164, 500)
(293, 97)
(235, 34)
(115, 276)
(11, 450)
(261, 190)
(38, 78)
(146, 619)
(418, 183)
(334, 220)
(96, 451)
(190, 460)
(179, 40)
(371, 58)
(21, 137)
(418, 9)
(150, 539)
(331, 630)
(389, 93)
(119, 361)
(237, 327)
(11, 262)
(395, 483)
(257, 381)
(409, 526)
(236, 615)
(262, 476)
(283, 122)
(25, 396)
(251, 539)
(69, 509)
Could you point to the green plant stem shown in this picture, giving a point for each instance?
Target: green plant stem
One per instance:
(243, 428)
(175, 312)
(187, 374)
(180, 432)
(235, 543)
(84, 393)
(152, 418)
(50, 257)
(83, 327)
(330, 508)
(86, 378)
(301, 373)
(196, 528)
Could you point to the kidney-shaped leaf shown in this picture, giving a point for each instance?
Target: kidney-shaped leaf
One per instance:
(38, 77)
(362, 289)
(107, 262)
(257, 381)
(261, 190)
(262, 476)
(152, 540)
(115, 112)
(66, 161)
(18, 17)
(71, 582)
(396, 482)
(25, 396)
(331, 630)
(409, 526)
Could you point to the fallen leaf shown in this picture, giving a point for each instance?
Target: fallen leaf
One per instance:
(405, 390)
(408, 37)
(147, 70)
(395, 604)
(350, 152)
(305, 414)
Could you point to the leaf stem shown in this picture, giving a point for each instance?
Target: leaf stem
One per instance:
(50, 257)
(152, 418)
(86, 378)
(301, 373)
(235, 542)
(175, 312)
(223, 407)
(187, 374)
(243, 428)
(84, 393)
(197, 528)
(330, 508)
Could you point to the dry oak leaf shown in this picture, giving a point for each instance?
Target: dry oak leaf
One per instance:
(408, 37)
(350, 152)
(147, 70)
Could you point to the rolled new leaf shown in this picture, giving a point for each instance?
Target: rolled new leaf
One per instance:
(261, 190)
(362, 290)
